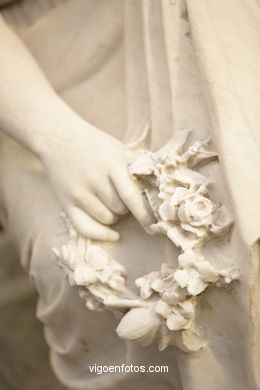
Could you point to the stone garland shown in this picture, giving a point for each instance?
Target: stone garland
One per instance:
(179, 198)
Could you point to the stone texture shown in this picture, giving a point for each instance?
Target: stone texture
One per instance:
(24, 361)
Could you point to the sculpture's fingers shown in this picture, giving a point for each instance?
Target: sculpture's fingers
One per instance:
(131, 195)
(90, 228)
(96, 209)
(109, 196)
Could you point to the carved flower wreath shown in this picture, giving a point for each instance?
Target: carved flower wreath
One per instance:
(179, 198)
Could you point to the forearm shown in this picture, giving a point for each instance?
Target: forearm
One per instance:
(86, 167)
(30, 110)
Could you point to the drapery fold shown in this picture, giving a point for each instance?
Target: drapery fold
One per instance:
(227, 45)
(184, 69)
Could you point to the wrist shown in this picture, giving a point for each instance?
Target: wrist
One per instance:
(60, 129)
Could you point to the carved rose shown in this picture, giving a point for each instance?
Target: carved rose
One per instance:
(196, 211)
(192, 207)
(187, 211)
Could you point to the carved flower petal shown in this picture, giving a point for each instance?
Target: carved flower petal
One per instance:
(186, 176)
(142, 164)
(168, 211)
(187, 309)
(97, 257)
(174, 295)
(199, 231)
(145, 288)
(161, 285)
(196, 286)
(207, 272)
(104, 274)
(162, 308)
(175, 321)
(189, 258)
(182, 277)
(160, 227)
(117, 282)
(84, 275)
(179, 195)
(166, 188)
(180, 239)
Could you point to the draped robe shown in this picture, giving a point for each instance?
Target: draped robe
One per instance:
(120, 65)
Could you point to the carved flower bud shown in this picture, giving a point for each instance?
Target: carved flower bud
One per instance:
(139, 324)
